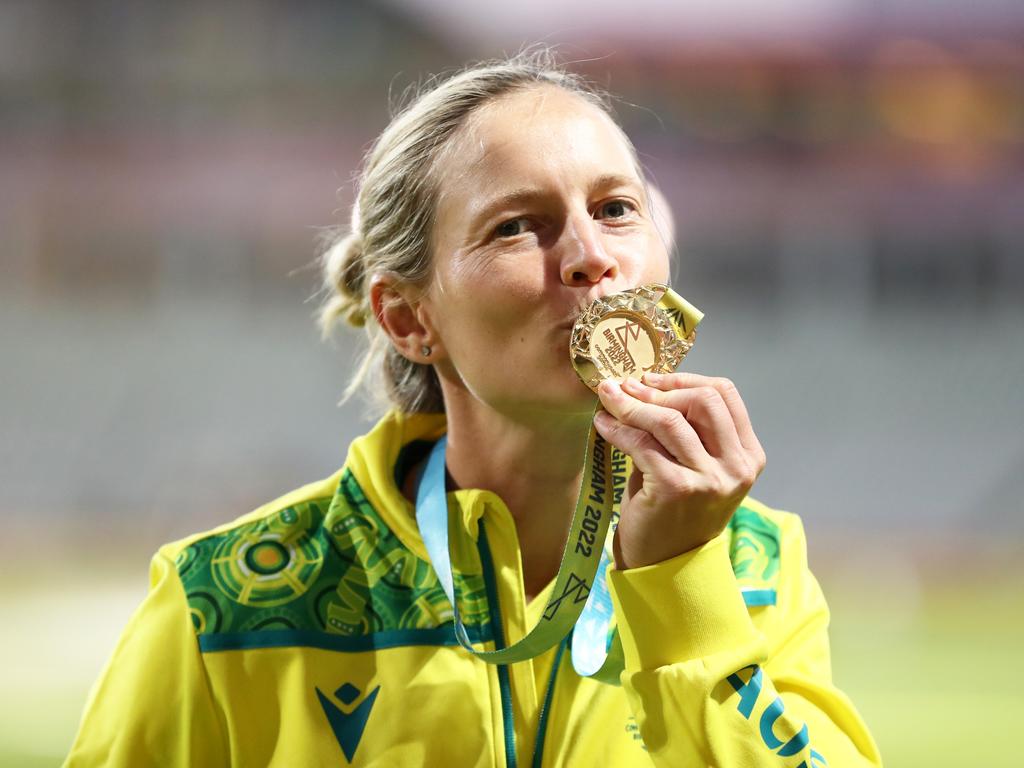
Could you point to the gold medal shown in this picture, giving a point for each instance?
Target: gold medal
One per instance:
(627, 334)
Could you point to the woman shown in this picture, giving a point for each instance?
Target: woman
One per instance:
(314, 630)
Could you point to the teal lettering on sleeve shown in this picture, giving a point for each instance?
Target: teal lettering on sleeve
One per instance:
(768, 719)
(748, 691)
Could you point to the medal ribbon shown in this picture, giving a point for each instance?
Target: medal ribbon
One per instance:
(580, 585)
(580, 559)
(684, 316)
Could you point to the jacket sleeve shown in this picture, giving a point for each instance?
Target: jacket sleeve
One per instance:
(709, 687)
(152, 704)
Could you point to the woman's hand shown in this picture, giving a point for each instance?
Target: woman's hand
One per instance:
(694, 454)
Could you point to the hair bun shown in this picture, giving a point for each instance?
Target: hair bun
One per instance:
(344, 269)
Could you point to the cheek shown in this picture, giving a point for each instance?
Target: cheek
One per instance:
(503, 293)
(648, 263)
(655, 267)
(479, 318)
(494, 335)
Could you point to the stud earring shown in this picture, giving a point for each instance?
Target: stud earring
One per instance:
(425, 350)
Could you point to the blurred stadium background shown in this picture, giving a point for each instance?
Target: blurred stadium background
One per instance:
(848, 182)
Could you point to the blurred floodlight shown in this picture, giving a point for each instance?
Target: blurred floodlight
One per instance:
(695, 20)
(641, 19)
(924, 94)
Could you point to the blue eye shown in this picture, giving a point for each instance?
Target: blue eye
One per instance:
(511, 228)
(614, 209)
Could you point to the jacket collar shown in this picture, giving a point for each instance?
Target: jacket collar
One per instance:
(373, 458)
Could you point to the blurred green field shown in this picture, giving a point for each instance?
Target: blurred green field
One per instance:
(931, 677)
(930, 669)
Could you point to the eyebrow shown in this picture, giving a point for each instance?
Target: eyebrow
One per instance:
(615, 180)
(509, 199)
(523, 195)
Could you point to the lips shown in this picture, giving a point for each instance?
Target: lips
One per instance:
(577, 311)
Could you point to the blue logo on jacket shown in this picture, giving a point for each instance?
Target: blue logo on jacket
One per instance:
(348, 726)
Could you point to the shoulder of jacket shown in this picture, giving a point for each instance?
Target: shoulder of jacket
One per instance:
(319, 566)
(762, 539)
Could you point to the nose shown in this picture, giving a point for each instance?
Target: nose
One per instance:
(584, 258)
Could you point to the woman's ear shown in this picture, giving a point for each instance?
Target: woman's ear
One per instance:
(399, 311)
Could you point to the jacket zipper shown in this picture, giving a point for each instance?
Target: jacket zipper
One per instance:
(549, 694)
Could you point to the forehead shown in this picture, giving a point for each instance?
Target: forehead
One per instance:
(535, 135)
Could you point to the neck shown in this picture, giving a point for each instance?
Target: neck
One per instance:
(533, 462)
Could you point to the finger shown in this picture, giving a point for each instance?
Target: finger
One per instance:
(730, 395)
(704, 409)
(648, 455)
(666, 425)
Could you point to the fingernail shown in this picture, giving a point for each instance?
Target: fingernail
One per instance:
(653, 378)
(630, 383)
(610, 387)
(601, 418)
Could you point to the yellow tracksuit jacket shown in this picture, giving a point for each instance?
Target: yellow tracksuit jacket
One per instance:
(313, 632)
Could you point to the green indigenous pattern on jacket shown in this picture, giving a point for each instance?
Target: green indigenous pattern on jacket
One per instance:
(326, 566)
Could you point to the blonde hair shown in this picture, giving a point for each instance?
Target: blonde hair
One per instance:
(393, 215)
